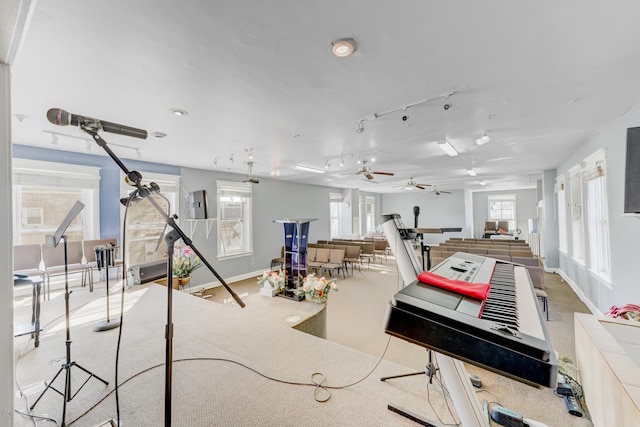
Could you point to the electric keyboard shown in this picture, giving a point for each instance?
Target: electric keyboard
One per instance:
(505, 333)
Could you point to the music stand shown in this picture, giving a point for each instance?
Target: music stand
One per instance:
(53, 241)
(105, 258)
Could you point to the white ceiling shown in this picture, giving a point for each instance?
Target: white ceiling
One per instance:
(539, 77)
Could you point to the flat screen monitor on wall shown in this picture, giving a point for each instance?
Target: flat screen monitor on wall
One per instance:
(198, 204)
(632, 172)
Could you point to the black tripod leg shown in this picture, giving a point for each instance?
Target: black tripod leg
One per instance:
(402, 375)
(50, 385)
(91, 374)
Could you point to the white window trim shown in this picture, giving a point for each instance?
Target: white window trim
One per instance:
(241, 186)
(576, 217)
(55, 174)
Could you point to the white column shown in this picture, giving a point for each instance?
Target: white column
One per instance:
(6, 253)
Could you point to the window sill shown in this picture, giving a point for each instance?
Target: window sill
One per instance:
(604, 280)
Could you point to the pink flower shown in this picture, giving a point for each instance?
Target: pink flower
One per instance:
(187, 251)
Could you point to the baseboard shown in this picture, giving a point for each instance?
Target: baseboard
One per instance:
(199, 288)
(590, 305)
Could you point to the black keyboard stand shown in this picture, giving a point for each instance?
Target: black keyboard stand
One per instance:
(429, 370)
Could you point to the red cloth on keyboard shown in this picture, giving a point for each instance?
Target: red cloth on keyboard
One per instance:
(472, 290)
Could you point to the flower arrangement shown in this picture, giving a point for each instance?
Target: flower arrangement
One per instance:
(185, 262)
(273, 280)
(317, 288)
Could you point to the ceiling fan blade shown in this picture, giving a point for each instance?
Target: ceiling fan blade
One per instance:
(420, 186)
(445, 192)
(368, 175)
(385, 173)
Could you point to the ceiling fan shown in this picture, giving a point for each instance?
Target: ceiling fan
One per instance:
(437, 192)
(368, 173)
(250, 179)
(412, 185)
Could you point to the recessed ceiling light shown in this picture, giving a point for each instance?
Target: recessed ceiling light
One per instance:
(179, 111)
(471, 172)
(342, 48)
(159, 134)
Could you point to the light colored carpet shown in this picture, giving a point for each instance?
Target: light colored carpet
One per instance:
(208, 392)
(355, 316)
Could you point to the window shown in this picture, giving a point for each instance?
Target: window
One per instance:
(234, 219)
(43, 194)
(503, 208)
(561, 201)
(596, 216)
(145, 225)
(370, 214)
(335, 214)
(575, 210)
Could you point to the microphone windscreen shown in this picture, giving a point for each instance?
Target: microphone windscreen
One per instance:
(58, 116)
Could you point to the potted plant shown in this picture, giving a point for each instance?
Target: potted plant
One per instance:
(316, 289)
(272, 282)
(184, 263)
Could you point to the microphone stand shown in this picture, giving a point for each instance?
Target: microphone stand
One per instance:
(134, 178)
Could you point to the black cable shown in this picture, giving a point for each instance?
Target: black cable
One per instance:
(122, 293)
(318, 386)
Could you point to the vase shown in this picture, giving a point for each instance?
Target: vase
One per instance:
(316, 299)
(268, 292)
(184, 281)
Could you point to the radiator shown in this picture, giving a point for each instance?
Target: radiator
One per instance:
(534, 243)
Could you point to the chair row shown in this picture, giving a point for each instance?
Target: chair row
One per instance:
(45, 261)
(435, 250)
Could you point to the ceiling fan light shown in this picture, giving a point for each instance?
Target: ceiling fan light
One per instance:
(342, 48)
(308, 169)
(447, 148)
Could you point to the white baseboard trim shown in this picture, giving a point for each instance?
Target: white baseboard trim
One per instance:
(590, 305)
(210, 285)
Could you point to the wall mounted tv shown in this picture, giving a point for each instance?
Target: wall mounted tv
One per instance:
(197, 205)
(632, 172)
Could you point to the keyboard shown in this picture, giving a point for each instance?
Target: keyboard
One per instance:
(506, 333)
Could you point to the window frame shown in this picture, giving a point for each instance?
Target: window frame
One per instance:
(575, 207)
(335, 202)
(596, 215)
(170, 188)
(246, 193)
(61, 176)
(503, 198)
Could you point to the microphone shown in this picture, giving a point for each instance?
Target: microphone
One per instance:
(59, 117)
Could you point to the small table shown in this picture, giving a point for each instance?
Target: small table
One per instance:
(32, 328)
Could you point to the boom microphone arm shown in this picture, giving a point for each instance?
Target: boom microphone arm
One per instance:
(134, 178)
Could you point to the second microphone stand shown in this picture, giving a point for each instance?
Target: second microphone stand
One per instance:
(135, 178)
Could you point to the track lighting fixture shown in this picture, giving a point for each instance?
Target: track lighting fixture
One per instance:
(360, 127)
(231, 157)
(327, 165)
(341, 161)
(484, 138)
(471, 172)
(215, 162)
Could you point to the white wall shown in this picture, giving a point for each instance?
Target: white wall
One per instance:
(445, 210)
(272, 199)
(526, 201)
(624, 230)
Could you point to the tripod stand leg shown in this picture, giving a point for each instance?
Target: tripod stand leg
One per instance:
(50, 385)
(402, 375)
(91, 374)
